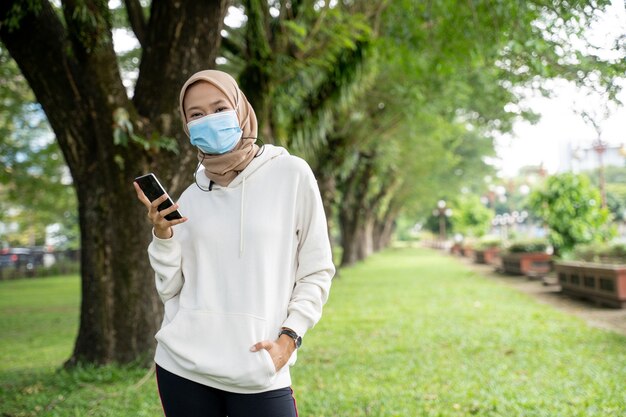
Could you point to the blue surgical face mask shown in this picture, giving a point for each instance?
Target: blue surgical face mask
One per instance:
(216, 133)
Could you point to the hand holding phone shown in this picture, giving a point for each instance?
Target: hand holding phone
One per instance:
(161, 209)
(153, 189)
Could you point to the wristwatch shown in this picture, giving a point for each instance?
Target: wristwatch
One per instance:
(297, 339)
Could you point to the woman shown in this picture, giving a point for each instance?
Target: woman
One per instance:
(245, 273)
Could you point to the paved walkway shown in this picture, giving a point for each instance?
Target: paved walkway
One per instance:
(548, 292)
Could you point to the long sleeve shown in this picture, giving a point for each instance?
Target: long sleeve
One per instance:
(315, 268)
(166, 259)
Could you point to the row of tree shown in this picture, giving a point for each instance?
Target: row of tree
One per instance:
(393, 103)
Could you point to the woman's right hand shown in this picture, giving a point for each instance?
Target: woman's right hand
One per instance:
(162, 226)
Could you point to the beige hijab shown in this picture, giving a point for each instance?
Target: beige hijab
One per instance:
(222, 169)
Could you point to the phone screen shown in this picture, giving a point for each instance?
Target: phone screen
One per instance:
(153, 189)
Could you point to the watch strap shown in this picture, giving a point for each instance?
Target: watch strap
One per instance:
(297, 339)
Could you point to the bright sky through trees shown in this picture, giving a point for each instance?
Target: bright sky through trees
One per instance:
(560, 125)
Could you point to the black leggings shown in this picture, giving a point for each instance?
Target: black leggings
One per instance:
(181, 397)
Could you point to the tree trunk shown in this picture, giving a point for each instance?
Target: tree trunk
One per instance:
(73, 72)
(328, 191)
(383, 231)
(351, 235)
(354, 212)
(325, 169)
(365, 243)
(119, 309)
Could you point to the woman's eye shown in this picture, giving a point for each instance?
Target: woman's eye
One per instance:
(196, 115)
(221, 109)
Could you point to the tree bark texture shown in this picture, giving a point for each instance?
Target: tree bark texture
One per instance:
(384, 227)
(363, 229)
(72, 69)
(326, 170)
(354, 212)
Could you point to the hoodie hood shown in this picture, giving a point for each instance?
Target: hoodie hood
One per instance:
(266, 154)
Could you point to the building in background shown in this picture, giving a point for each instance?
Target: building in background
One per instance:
(578, 158)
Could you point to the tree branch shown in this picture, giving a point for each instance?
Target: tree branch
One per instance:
(181, 38)
(89, 29)
(38, 43)
(136, 19)
(73, 73)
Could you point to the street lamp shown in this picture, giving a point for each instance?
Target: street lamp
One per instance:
(442, 212)
(503, 221)
(600, 147)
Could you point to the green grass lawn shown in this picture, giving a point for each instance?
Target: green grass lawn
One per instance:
(409, 332)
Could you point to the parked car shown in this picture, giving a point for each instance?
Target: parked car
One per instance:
(24, 258)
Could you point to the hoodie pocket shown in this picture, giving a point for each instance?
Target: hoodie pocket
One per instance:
(217, 345)
(170, 309)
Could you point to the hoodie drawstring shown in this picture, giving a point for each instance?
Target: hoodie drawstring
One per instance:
(243, 194)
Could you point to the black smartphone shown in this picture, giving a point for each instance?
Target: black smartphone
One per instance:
(153, 189)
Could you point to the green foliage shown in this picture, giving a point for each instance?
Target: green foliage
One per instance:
(614, 253)
(461, 65)
(527, 246)
(320, 78)
(123, 133)
(405, 229)
(616, 200)
(470, 217)
(615, 187)
(570, 207)
(18, 11)
(488, 242)
(395, 79)
(31, 163)
(478, 347)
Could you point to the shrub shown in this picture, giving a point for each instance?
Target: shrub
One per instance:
(528, 246)
(570, 206)
(602, 253)
(488, 243)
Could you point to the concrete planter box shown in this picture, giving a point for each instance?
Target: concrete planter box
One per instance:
(468, 251)
(530, 264)
(603, 284)
(487, 256)
(456, 249)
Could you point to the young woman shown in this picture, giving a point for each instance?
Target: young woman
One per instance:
(245, 273)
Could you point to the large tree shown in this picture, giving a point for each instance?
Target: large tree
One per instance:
(449, 78)
(108, 138)
(388, 125)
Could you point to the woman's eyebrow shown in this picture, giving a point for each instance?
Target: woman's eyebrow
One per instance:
(219, 101)
(215, 103)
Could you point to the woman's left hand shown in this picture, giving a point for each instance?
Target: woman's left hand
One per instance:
(280, 350)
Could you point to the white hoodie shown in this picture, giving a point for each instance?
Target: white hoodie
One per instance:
(253, 257)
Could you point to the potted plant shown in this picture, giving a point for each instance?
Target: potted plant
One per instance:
(470, 219)
(597, 272)
(456, 248)
(467, 247)
(487, 251)
(530, 258)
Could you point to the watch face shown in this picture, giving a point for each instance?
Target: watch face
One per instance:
(298, 342)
